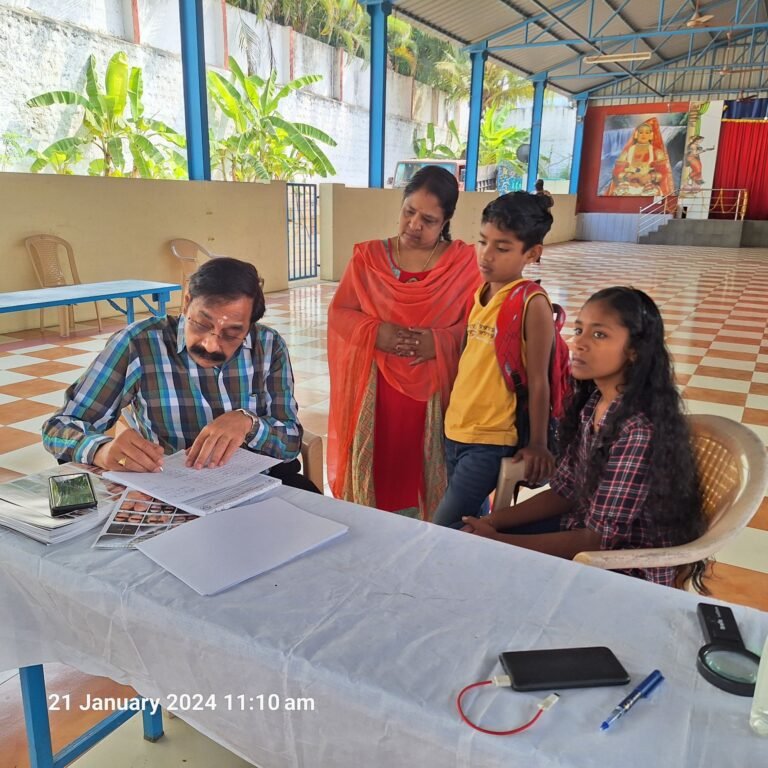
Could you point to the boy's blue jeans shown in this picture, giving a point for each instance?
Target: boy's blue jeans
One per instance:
(473, 471)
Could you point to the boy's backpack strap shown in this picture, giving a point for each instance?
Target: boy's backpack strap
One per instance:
(510, 332)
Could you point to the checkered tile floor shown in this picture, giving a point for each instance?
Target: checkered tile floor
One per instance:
(715, 312)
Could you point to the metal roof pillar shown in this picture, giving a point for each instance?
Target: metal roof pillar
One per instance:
(195, 94)
(539, 85)
(379, 11)
(477, 56)
(578, 143)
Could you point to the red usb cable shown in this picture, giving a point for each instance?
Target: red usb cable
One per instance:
(501, 680)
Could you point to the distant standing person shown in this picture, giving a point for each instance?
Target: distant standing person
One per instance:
(539, 185)
(395, 330)
(540, 188)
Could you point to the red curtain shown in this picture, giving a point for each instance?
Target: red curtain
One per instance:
(742, 162)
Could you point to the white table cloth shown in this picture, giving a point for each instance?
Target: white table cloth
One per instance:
(381, 629)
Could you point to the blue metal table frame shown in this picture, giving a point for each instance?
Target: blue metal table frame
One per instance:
(110, 291)
(35, 703)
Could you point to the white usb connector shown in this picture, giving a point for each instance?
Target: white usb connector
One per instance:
(502, 681)
(549, 702)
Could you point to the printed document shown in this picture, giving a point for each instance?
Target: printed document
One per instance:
(206, 490)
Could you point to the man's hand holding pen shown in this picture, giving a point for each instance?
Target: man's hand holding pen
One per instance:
(129, 452)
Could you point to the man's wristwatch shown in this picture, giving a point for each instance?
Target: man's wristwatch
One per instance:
(254, 424)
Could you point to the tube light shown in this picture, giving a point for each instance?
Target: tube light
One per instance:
(610, 58)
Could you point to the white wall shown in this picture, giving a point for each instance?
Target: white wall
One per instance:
(558, 126)
(608, 227)
(105, 16)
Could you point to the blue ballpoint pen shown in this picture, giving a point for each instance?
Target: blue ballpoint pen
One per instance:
(626, 704)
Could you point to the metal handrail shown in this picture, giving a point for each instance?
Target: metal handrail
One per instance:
(726, 201)
(649, 213)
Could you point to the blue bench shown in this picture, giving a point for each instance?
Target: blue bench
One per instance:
(67, 295)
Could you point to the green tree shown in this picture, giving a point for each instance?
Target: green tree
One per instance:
(428, 147)
(346, 25)
(402, 46)
(264, 145)
(501, 87)
(430, 51)
(151, 144)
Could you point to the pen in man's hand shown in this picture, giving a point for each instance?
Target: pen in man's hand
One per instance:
(626, 704)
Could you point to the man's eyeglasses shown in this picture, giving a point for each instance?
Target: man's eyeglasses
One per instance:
(228, 337)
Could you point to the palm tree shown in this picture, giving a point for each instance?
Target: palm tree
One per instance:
(501, 87)
(402, 47)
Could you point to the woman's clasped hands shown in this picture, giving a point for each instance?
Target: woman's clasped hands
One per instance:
(416, 343)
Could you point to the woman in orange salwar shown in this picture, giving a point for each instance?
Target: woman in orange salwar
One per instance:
(643, 167)
(395, 330)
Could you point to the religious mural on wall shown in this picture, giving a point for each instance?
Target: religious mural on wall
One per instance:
(704, 121)
(643, 155)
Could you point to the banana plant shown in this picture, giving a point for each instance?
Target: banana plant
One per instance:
(264, 145)
(499, 141)
(151, 144)
(427, 147)
(61, 156)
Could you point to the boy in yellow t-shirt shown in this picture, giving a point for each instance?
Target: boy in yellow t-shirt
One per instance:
(480, 421)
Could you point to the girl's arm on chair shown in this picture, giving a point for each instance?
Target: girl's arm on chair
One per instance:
(539, 507)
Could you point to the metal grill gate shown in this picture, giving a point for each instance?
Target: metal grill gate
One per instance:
(303, 259)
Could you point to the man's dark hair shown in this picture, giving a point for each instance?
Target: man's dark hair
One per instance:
(443, 185)
(223, 279)
(525, 215)
(539, 185)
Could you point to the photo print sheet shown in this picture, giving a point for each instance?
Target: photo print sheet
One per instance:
(138, 517)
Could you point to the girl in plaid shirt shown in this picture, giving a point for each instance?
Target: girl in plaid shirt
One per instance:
(627, 477)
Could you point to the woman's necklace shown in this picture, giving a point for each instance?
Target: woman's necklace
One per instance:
(426, 263)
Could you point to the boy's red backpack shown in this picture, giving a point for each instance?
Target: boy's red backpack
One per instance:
(509, 353)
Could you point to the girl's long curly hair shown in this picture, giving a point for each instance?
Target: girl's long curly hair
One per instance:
(674, 498)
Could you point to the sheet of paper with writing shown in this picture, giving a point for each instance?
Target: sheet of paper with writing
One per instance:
(206, 490)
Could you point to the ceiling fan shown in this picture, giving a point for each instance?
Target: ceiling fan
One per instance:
(699, 19)
(727, 68)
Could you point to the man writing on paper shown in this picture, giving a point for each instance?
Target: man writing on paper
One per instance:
(208, 381)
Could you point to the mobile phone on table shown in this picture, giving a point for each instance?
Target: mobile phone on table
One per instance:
(563, 668)
(68, 493)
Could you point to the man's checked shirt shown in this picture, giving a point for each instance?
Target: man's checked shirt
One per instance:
(168, 398)
(617, 511)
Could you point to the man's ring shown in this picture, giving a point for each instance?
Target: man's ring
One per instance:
(122, 461)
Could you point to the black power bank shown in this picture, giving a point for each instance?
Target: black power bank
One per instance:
(563, 668)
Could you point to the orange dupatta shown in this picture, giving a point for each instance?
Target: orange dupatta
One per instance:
(368, 295)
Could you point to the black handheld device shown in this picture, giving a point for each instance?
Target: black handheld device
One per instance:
(68, 493)
(558, 668)
(719, 624)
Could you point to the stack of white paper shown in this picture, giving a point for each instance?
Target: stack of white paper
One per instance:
(216, 552)
(206, 490)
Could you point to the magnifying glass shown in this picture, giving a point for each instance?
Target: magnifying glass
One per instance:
(730, 668)
(724, 661)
